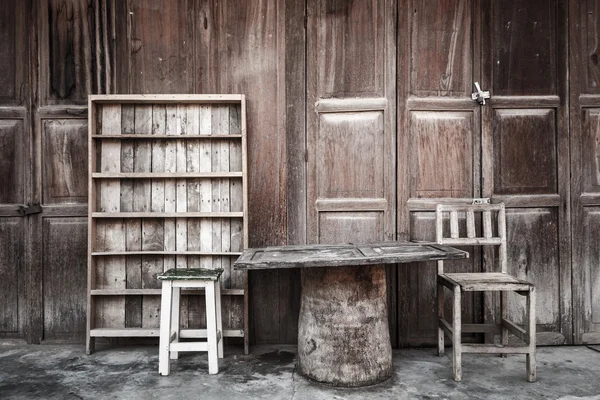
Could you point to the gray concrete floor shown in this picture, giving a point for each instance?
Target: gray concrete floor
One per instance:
(65, 372)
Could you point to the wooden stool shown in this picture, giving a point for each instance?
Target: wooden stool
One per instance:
(173, 281)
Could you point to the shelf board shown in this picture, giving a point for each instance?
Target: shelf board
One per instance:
(164, 175)
(167, 214)
(167, 137)
(155, 332)
(166, 253)
(157, 292)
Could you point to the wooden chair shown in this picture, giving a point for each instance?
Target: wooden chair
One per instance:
(481, 282)
(169, 345)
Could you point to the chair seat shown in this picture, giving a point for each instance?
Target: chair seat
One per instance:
(190, 274)
(484, 281)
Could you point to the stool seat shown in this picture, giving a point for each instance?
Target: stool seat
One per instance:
(173, 280)
(191, 274)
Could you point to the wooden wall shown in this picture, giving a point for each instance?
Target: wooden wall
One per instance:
(410, 63)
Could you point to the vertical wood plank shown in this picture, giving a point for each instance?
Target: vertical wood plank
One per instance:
(170, 184)
(236, 194)
(205, 184)
(193, 185)
(487, 224)
(217, 205)
(111, 233)
(181, 203)
(133, 304)
(453, 224)
(470, 224)
(224, 160)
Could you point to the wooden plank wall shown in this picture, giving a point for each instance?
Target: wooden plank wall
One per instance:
(55, 52)
(110, 46)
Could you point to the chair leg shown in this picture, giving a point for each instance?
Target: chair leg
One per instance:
(504, 316)
(456, 336)
(174, 355)
(165, 328)
(440, 305)
(219, 319)
(531, 330)
(211, 329)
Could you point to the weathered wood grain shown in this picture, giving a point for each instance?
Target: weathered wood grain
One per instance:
(508, 168)
(12, 188)
(344, 308)
(12, 316)
(441, 48)
(312, 256)
(64, 302)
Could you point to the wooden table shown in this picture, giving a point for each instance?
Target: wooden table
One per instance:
(343, 333)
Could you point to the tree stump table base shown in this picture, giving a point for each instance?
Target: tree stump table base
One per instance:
(343, 336)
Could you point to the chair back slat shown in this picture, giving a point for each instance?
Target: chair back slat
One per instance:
(487, 224)
(489, 214)
(471, 224)
(454, 224)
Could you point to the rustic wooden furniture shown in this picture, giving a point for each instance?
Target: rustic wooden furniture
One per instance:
(343, 336)
(167, 189)
(173, 281)
(490, 215)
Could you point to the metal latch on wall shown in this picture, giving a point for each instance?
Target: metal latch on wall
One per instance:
(480, 95)
(29, 209)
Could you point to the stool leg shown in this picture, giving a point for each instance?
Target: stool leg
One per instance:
(165, 328)
(504, 316)
(440, 305)
(456, 336)
(211, 328)
(531, 328)
(175, 319)
(219, 319)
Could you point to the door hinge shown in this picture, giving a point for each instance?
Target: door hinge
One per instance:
(30, 209)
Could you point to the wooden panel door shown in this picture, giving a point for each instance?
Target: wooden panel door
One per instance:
(351, 122)
(15, 167)
(439, 145)
(525, 141)
(513, 149)
(585, 168)
(73, 58)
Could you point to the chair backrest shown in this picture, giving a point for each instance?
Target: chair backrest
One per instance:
(492, 233)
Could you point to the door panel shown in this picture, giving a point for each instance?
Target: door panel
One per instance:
(439, 146)
(513, 149)
(525, 152)
(12, 161)
(64, 149)
(535, 258)
(443, 144)
(441, 47)
(351, 125)
(525, 159)
(585, 167)
(65, 266)
(15, 167)
(74, 52)
(12, 278)
(525, 47)
(350, 129)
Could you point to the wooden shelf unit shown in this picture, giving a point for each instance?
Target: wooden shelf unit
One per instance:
(167, 189)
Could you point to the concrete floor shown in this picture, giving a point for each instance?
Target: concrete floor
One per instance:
(65, 372)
